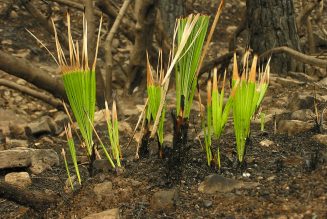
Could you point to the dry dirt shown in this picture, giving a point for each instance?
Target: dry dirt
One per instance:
(291, 172)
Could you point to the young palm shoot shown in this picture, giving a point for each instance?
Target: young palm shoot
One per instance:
(217, 114)
(248, 96)
(112, 124)
(155, 93)
(79, 79)
(72, 151)
(63, 153)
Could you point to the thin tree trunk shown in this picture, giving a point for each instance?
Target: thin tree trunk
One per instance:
(271, 24)
(145, 12)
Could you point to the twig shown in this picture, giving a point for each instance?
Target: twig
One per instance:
(108, 46)
(219, 60)
(297, 56)
(45, 98)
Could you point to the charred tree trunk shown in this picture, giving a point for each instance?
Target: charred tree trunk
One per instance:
(145, 12)
(271, 23)
(169, 11)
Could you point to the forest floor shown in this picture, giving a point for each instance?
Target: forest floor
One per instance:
(286, 165)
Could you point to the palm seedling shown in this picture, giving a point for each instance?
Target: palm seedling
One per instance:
(248, 96)
(80, 86)
(187, 66)
(112, 125)
(217, 115)
(155, 93)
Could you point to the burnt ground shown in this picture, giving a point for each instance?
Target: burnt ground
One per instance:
(291, 172)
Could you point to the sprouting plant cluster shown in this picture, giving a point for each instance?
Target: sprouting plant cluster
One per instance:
(185, 59)
(245, 97)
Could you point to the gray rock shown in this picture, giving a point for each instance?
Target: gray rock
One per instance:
(164, 200)
(216, 183)
(37, 160)
(45, 125)
(300, 101)
(303, 115)
(21, 179)
(103, 189)
(43, 159)
(207, 203)
(293, 127)
(14, 143)
(108, 214)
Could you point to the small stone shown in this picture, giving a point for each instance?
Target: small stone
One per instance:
(21, 179)
(14, 143)
(293, 127)
(207, 203)
(13, 14)
(164, 200)
(266, 143)
(6, 42)
(108, 214)
(103, 189)
(216, 183)
(320, 138)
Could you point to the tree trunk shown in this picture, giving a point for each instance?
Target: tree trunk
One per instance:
(145, 13)
(169, 11)
(272, 24)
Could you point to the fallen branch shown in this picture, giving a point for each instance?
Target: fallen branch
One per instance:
(23, 69)
(44, 97)
(306, 59)
(34, 199)
(219, 60)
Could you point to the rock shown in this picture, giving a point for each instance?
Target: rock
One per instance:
(216, 183)
(289, 82)
(46, 125)
(43, 159)
(103, 189)
(293, 127)
(14, 143)
(320, 138)
(21, 179)
(303, 115)
(231, 29)
(164, 200)
(17, 130)
(61, 119)
(266, 143)
(13, 14)
(207, 203)
(8, 117)
(37, 160)
(108, 214)
(300, 101)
